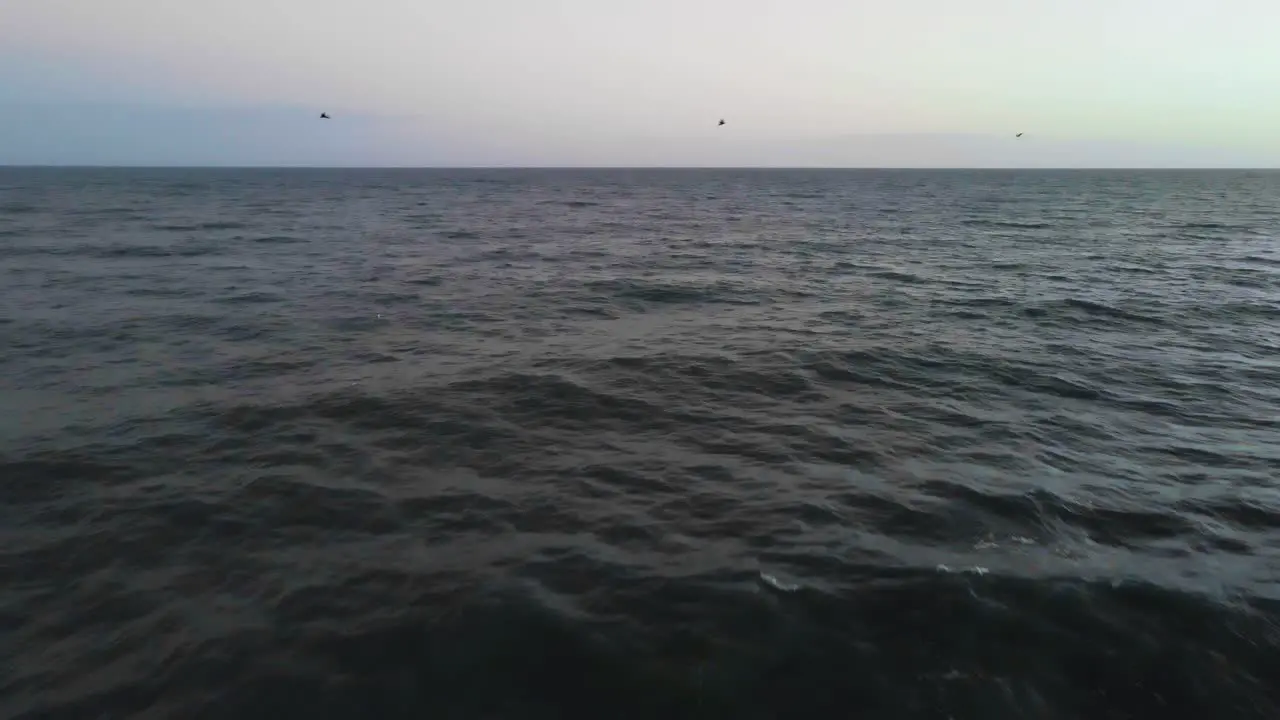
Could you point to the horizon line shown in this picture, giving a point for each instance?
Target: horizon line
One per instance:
(79, 166)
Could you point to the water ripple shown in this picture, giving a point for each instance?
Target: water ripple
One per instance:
(636, 444)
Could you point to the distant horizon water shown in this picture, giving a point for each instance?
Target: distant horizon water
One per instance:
(763, 168)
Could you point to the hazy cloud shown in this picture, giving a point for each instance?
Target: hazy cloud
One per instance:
(626, 82)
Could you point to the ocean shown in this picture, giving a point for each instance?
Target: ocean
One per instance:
(484, 444)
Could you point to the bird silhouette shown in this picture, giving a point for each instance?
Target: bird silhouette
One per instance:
(1018, 135)
(721, 122)
(324, 116)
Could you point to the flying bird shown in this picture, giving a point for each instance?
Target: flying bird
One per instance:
(324, 116)
(1018, 135)
(721, 122)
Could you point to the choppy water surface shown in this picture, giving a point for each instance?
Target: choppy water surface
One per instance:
(548, 444)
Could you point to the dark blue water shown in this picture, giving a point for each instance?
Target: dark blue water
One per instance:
(651, 444)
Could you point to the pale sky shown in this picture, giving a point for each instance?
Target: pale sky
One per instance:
(1092, 83)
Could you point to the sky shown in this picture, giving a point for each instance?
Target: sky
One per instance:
(880, 83)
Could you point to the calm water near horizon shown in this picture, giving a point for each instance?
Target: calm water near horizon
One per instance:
(639, 444)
